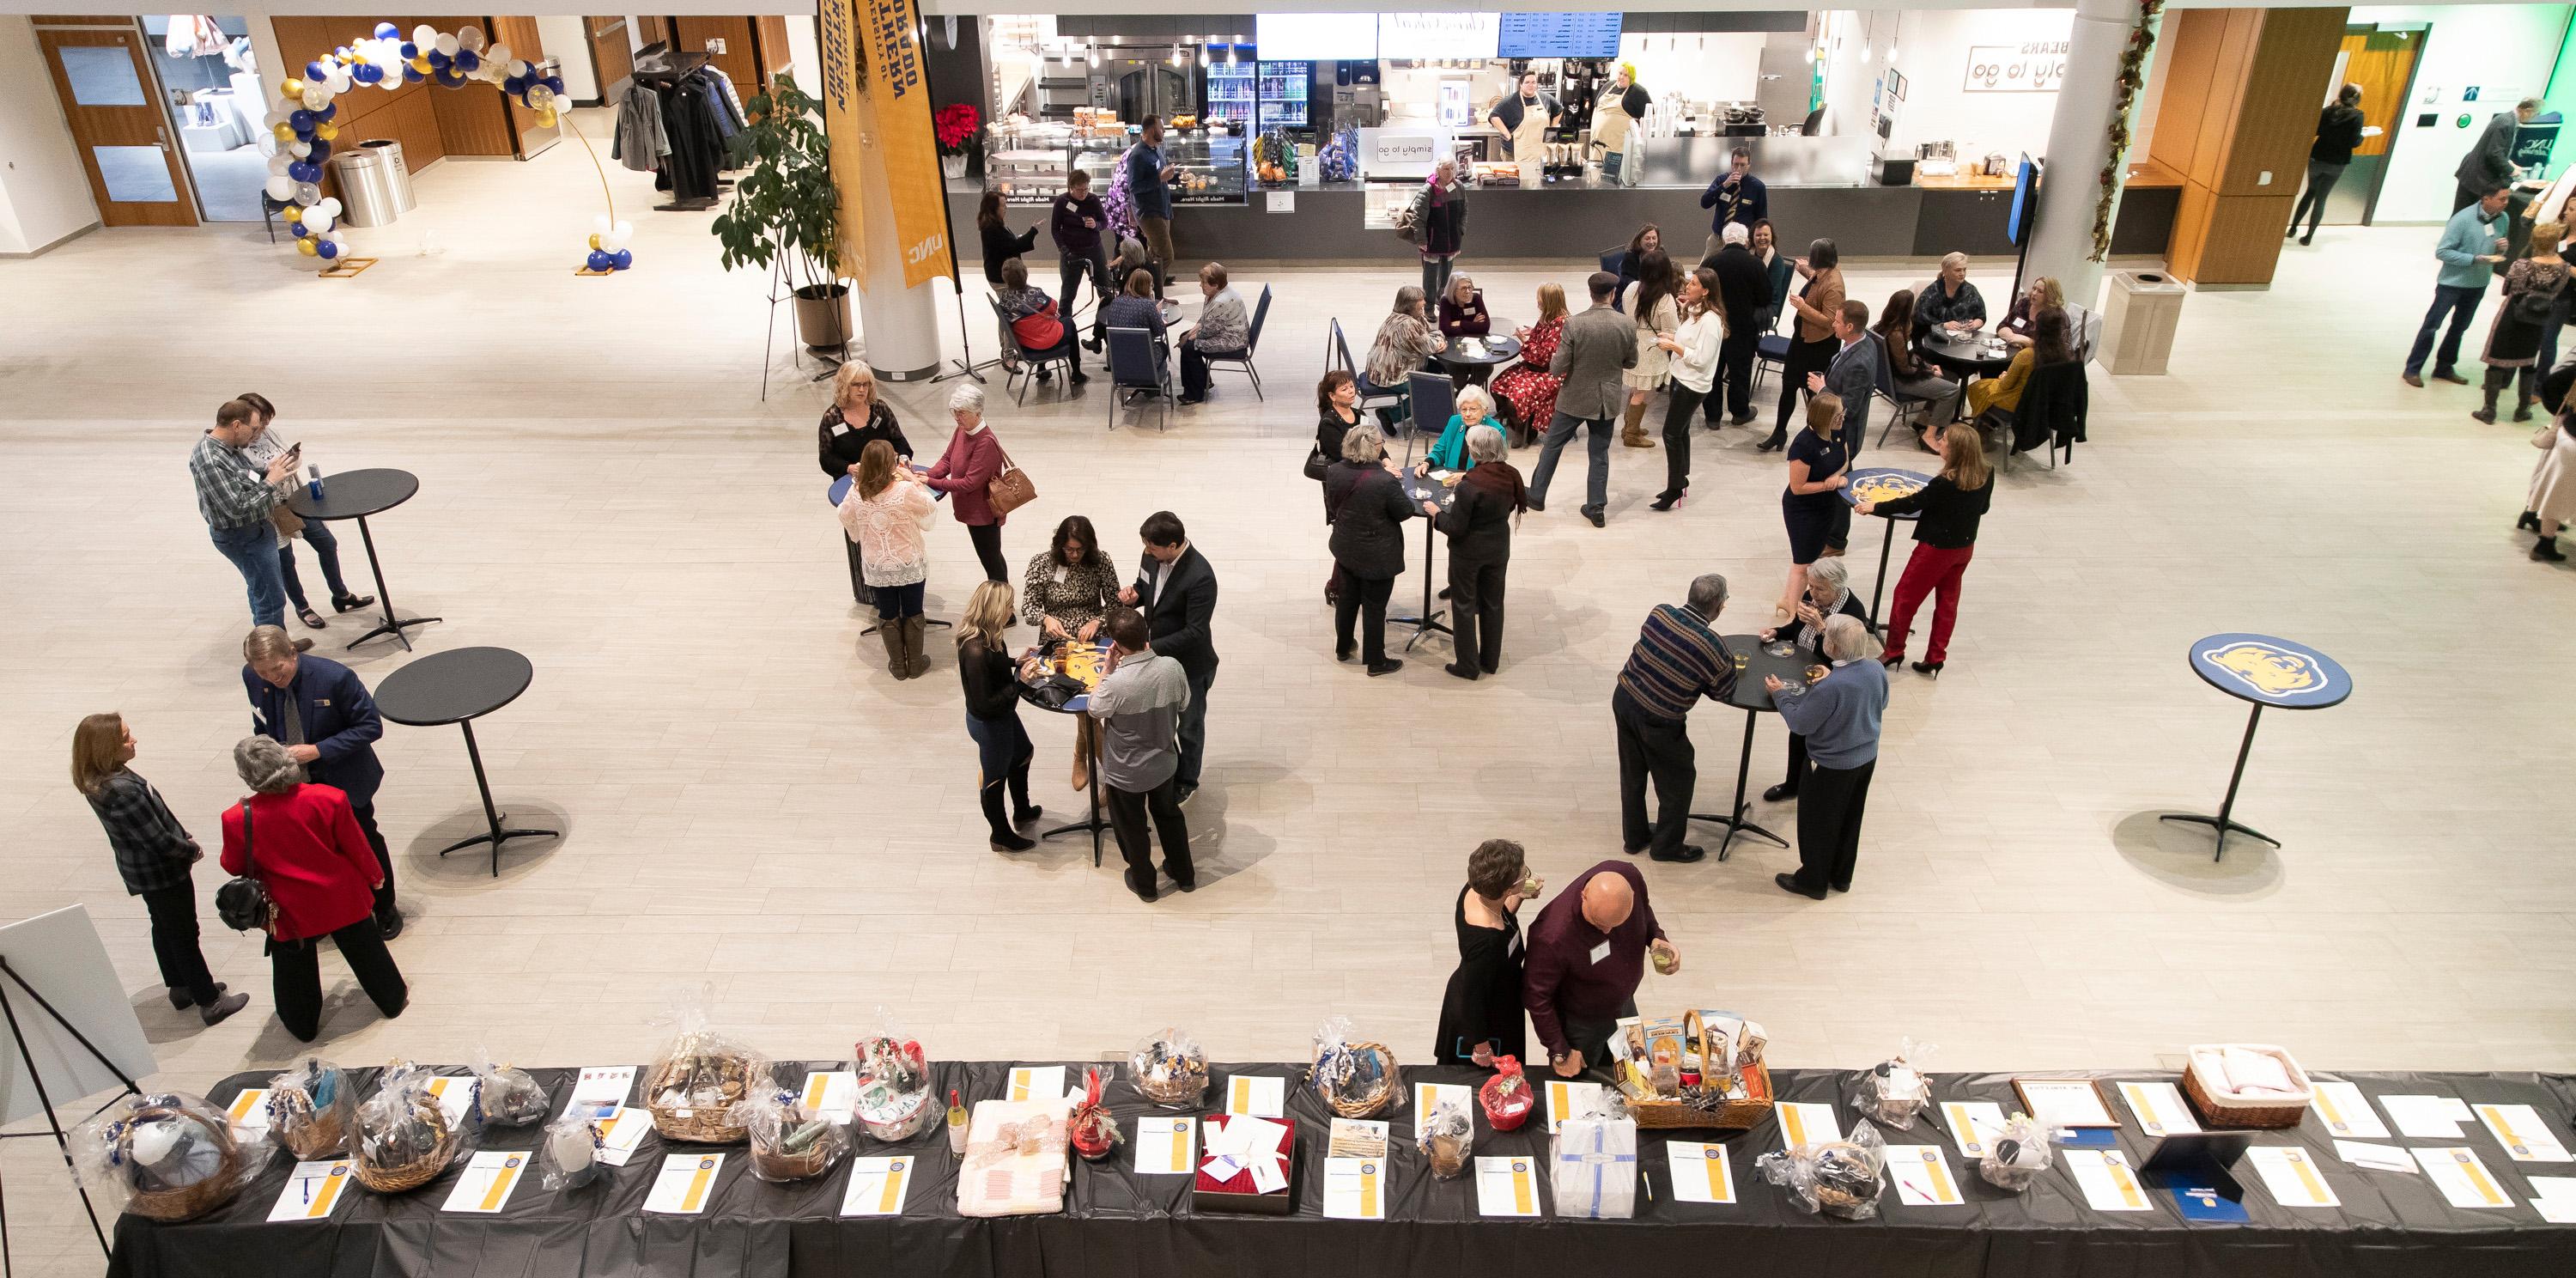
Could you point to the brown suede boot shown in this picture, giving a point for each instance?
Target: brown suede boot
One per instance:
(915, 630)
(1631, 432)
(891, 634)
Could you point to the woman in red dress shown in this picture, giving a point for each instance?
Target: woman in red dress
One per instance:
(1528, 386)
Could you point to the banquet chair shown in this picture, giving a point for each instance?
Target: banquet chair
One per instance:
(1030, 364)
(1137, 366)
(1373, 398)
(1433, 400)
(1251, 342)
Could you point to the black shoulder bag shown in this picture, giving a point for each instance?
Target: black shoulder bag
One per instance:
(243, 902)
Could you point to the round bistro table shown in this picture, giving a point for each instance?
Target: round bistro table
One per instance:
(459, 687)
(1753, 660)
(2266, 671)
(1883, 483)
(356, 494)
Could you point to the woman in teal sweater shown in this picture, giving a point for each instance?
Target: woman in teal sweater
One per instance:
(1474, 406)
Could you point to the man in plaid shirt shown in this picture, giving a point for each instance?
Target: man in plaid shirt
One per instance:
(235, 499)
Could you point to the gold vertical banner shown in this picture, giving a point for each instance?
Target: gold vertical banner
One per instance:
(838, 31)
(890, 30)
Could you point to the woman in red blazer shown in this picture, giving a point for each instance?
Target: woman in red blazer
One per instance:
(302, 842)
(973, 458)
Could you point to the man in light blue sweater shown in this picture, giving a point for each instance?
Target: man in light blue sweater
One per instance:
(1839, 715)
(2472, 243)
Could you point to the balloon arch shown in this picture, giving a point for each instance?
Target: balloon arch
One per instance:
(307, 106)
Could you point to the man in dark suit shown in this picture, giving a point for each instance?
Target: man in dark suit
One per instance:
(1857, 370)
(2489, 164)
(1744, 293)
(322, 714)
(1596, 347)
(1176, 590)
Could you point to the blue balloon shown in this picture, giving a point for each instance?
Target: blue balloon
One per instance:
(466, 60)
(303, 171)
(555, 82)
(515, 85)
(410, 51)
(412, 75)
(387, 31)
(314, 71)
(328, 113)
(326, 248)
(367, 73)
(448, 78)
(600, 261)
(300, 120)
(625, 258)
(437, 61)
(321, 151)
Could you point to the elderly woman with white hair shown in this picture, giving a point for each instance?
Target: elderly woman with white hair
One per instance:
(1950, 302)
(1479, 524)
(1828, 595)
(301, 843)
(1475, 408)
(974, 458)
(1839, 715)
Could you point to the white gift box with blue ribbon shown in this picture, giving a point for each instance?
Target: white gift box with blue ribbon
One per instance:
(1596, 1168)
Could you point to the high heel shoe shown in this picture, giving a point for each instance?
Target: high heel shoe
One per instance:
(2530, 521)
(1779, 440)
(1932, 668)
(1891, 660)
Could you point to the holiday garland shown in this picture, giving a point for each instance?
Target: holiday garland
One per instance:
(2133, 77)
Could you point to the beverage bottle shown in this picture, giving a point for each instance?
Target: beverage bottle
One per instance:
(956, 1124)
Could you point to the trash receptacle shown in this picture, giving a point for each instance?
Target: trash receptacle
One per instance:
(397, 171)
(2137, 334)
(366, 196)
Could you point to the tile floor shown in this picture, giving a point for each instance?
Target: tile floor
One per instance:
(750, 803)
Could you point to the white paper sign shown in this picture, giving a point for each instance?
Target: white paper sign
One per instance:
(2294, 1178)
(1923, 1176)
(312, 1190)
(1166, 1146)
(2556, 1198)
(1427, 1097)
(2525, 1138)
(1700, 1172)
(1255, 1096)
(249, 1111)
(1807, 1124)
(830, 1093)
(1282, 202)
(877, 1186)
(2388, 1158)
(684, 1184)
(1566, 1099)
(2346, 1111)
(2159, 1108)
(1035, 1082)
(1507, 1186)
(1974, 1125)
(489, 1177)
(2105, 1178)
(2426, 1117)
(2462, 1178)
(600, 1090)
(455, 1097)
(1354, 1188)
(621, 1134)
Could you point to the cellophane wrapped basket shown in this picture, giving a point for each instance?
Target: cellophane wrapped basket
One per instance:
(2018, 1155)
(507, 1097)
(1841, 1178)
(1093, 1130)
(1895, 1091)
(895, 1100)
(569, 1158)
(1447, 1136)
(788, 1141)
(1357, 1079)
(1507, 1097)
(405, 1138)
(312, 1108)
(694, 1085)
(1170, 1068)
(168, 1156)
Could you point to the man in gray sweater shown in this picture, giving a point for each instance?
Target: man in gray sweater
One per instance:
(1138, 705)
(1598, 345)
(1839, 715)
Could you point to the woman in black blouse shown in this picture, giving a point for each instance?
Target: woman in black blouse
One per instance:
(856, 419)
(1480, 1015)
(1479, 525)
(1945, 537)
(1002, 749)
(1337, 410)
(1369, 509)
(1000, 246)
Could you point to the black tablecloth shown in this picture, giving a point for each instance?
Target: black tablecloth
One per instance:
(1121, 1224)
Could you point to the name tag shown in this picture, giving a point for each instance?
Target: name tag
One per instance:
(323, 703)
(1059, 574)
(839, 429)
(1601, 951)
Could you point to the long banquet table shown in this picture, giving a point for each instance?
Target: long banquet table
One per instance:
(1119, 1223)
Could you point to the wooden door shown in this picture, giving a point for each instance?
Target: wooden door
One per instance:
(112, 102)
(701, 34)
(2383, 64)
(653, 29)
(612, 60)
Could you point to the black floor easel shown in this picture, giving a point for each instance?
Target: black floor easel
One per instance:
(53, 1123)
(781, 291)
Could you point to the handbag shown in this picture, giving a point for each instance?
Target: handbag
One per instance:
(1408, 223)
(288, 523)
(243, 902)
(2545, 437)
(1316, 464)
(1011, 489)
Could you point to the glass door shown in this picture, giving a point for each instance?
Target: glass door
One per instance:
(117, 122)
(217, 106)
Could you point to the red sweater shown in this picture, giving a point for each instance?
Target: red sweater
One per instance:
(312, 857)
(1562, 980)
(964, 470)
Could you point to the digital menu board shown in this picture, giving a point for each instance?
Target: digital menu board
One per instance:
(1318, 37)
(1560, 35)
(1430, 36)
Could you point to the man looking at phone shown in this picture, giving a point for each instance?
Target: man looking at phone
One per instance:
(235, 499)
(264, 448)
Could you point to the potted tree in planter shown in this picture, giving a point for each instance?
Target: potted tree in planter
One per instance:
(785, 207)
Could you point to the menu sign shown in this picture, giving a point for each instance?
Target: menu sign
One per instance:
(2035, 67)
(1423, 37)
(1560, 35)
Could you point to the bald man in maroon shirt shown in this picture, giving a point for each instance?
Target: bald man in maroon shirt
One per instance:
(1587, 953)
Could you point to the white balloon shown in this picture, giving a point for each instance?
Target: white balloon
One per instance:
(340, 82)
(425, 37)
(281, 188)
(316, 97)
(599, 225)
(470, 37)
(498, 53)
(307, 194)
(518, 67)
(280, 161)
(621, 233)
(273, 119)
(316, 220)
(300, 150)
(338, 238)
(330, 206)
(448, 45)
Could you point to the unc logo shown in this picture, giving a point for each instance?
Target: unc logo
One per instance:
(2266, 668)
(1878, 488)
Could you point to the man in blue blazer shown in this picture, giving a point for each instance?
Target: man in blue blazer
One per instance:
(319, 710)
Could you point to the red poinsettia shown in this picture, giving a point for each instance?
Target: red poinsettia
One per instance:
(954, 127)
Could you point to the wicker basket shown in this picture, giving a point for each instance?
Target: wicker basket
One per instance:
(771, 1165)
(402, 1178)
(1185, 1088)
(1732, 1114)
(699, 1124)
(190, 1201)
(308, 1133)
(1369, 1103)
(2239, 1116)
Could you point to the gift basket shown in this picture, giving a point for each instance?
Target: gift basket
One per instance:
(1507, 1097)
(311, 1108)
(2016, 1157)
(569, 1158)
(895, 1100)
(2244, 1085)
(169, 1156)
(788, 1141)
(1171, 1069)
(1594, 1159)
(694, 1084)
(1895, 1092)
(1703, 1070)
(1014, 1159)
(1093, 1131)
(507, 1097)
(1356, 1079)
(1448, 1138)
(1838, 1178)
(405, 1138)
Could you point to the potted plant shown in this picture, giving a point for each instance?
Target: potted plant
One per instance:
(785, 207)
(953, 127)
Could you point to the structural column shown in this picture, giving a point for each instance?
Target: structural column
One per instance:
(2079, 143)
(898, 326)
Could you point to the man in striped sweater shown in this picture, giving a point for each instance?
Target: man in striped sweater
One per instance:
(1678, 660)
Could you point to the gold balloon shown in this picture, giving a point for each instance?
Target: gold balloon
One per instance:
(421, 64)
(291, 89)
(284, 132)
(306, 247)
(326, 132)
(594, 241)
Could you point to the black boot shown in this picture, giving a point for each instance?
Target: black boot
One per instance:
(1779, 439)
(2522, 407)
(2530, 521)
(1005, 839)
(2546, 550)
(2487, 412)
(1022, 811)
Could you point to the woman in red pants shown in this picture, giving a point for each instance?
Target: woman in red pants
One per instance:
(1945, 536)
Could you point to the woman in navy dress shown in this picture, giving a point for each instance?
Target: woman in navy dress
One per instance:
(1812, 505)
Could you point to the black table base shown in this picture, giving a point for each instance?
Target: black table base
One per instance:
(1095, 823)
(491, 816)
(2227, 806)
(1886, 547)
(385, 595)
(1733, 819)
(1431, 619)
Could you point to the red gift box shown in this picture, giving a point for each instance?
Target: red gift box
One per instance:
(1207, 1193)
